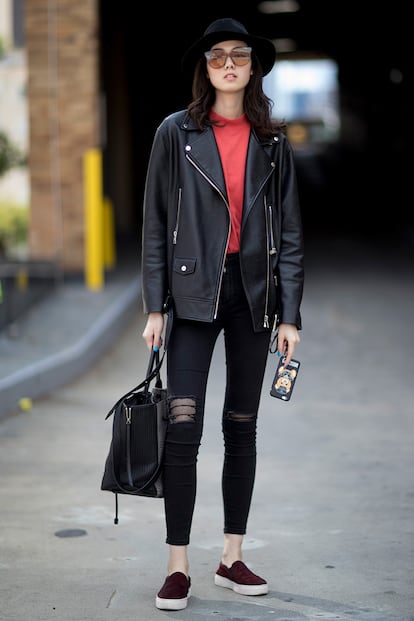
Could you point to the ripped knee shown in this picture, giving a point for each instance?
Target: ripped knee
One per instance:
(239, 417)
(182, 409)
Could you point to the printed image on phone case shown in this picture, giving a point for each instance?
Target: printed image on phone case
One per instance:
(284, 380)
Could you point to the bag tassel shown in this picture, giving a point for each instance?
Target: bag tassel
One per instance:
(116, 509)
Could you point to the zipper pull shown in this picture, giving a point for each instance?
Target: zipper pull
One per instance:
(266, 321)
(128, 416)
(273, 339)
(175, 237)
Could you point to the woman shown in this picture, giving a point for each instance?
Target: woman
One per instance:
(222, 240)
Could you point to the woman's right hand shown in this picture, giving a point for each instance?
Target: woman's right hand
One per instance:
(153, 330)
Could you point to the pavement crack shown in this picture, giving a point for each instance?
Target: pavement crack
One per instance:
(110, 599)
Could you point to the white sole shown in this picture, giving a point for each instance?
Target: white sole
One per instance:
(171, 604)
(242, 589)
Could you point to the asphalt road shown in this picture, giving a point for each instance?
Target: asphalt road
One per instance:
(332, 521)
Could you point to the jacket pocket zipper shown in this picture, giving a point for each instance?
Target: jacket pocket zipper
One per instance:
(177, 221)
(272, 239)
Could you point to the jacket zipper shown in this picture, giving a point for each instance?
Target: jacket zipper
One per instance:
(228, 231)
(271, 250)
(177, 221)
(266, 315)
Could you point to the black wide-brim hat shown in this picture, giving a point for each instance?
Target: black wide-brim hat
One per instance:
(226, 29)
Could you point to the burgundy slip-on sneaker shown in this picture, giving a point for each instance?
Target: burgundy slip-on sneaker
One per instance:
(174, 593)
(239, 578)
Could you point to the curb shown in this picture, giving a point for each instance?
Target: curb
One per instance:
(42, 377)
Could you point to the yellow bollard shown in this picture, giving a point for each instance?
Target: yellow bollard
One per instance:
(109, 234)
(94, 221)
(22, 279)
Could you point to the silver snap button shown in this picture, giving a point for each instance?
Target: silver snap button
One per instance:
(187, 147)
(183, 268)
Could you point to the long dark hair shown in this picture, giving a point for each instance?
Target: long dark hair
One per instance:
(257, 105)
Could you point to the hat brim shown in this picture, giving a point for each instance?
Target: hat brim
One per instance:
(262, 48)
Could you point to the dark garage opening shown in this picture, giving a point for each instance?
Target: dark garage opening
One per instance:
(347, 186)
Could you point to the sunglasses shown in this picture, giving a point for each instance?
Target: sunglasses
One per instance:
(240, 56)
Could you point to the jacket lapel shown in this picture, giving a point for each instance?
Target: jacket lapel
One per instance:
(202, 149)
(259, 167)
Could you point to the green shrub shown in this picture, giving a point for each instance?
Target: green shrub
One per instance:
(14, 226)
(2, 48)
(10, 155)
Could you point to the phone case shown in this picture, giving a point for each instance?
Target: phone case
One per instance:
(284, 379)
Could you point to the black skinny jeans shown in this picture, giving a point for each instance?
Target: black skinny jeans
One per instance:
(189, 356)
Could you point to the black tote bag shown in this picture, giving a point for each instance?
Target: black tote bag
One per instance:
(134, 462)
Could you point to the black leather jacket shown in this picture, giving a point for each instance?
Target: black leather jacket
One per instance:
(186, 226)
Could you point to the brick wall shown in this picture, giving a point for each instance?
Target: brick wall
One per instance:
(62, 45)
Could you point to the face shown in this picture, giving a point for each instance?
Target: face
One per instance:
(235, 72)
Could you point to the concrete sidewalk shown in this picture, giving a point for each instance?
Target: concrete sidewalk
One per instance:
(62, 335)
(331, 526)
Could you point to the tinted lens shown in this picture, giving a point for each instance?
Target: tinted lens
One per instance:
(216, 60)
(239, 57)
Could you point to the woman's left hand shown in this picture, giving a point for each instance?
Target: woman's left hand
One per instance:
(287, 339)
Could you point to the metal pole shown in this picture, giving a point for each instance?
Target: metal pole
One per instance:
(109, 234)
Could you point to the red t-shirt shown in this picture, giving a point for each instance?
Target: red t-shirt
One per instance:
(232, 137)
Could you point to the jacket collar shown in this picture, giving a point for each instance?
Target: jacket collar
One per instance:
(202, 149)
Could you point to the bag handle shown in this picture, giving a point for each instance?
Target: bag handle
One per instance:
(152, 371)
(154, 358)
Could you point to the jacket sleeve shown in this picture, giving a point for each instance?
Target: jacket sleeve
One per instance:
(154, 227)
(291, 248)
